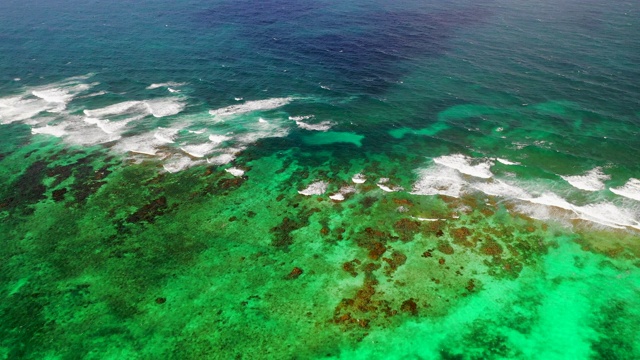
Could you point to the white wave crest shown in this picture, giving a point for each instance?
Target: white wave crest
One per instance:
(609, 215)
(219, 139)
(115, 109)
(301, 117)
(629, 190)
(392, 188)
(249, 106)
(147, 143)
(474, 167)
(61, 93)
(439, 180)
(235, 171)
(51, 98)
(198, 150)
(156, 107)
(221, 159)
(109, 127)
(591, 181)
(507, 162)
(345, 190)
(167, 85)
(550, 199)
(57, 131)
(359, 178)
(426, 219)
(317, 188)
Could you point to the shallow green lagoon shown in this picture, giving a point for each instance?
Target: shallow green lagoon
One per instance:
(287, 180)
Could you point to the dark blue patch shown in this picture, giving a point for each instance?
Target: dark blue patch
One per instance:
(366, 48)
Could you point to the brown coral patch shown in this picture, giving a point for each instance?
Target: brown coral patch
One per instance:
(282, 237)
(404, 202)
(433, 228)
(282, 233)
(230, 184)
(409, 306)
(396, 260)
(294, 274)
(150, 211)
(491, 248)
(513, 268)
(362, 300)
(461, 237)
(367, 202)
(27, 189)
(445, 248)
(87, 180)
(350, 267)
(374, 241)
(376, 250)
(161, 300)
(58, 195)
(363, 308)
(487, 212)
(406, 229)
(471, 285)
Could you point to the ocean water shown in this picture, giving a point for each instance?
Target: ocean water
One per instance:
(320, 180)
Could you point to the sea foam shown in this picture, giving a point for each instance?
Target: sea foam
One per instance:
(529, 200)
(62, 93)
(439, 180)
(52, 98)
(164, 107)
(501, 188)
(15, 109)
(321, 126)
(219, 139)
(178, 163)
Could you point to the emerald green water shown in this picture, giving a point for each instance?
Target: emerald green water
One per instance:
(271, 181)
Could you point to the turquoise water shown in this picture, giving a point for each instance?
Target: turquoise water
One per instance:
(235, 179)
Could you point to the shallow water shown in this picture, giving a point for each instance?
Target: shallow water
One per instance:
(327, 180)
